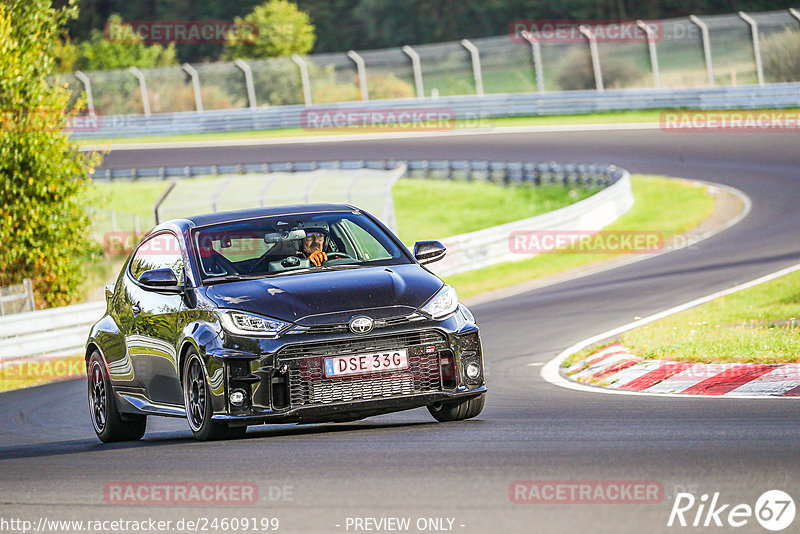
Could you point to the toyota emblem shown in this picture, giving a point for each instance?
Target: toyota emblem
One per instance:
(361, 324)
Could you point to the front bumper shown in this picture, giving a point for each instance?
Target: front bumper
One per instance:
(350, 410)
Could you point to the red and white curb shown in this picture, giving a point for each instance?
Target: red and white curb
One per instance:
(615, 367)
(771, 381)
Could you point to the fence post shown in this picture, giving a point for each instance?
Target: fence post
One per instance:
(706, 47)
(362, 73)
(476, 65)
(218, 193)
(416, 66)
(248, 80)
(537, 58)
(651, 45)
(198, 99)
(300, 62)
(756, 45)
(142, 88)
(87, 85)
(162, 198)
(598, 74)
(29, 290)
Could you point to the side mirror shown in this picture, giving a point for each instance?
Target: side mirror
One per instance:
(428, 251)
(162, 279)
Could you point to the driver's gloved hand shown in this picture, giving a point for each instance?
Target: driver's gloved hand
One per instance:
(318, 257)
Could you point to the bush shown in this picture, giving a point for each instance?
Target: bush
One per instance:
(577, 72)
(282, 30)
(124, 49)
(43, 223)
(780, 53)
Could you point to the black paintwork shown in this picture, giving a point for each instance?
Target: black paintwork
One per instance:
(149, 328)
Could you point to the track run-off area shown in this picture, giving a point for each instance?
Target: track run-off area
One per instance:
(462, 476)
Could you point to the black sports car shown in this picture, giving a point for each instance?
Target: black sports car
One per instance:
(297, 314)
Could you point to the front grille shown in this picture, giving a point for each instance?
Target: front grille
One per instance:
(353, 345)
(308, 384)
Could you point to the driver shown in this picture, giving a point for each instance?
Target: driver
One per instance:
(314, 247)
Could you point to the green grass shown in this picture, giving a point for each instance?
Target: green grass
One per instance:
(661, 205)
(589, 118)
(757, 325)
(432, 209)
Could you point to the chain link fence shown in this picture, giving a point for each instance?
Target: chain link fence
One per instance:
(729, 50)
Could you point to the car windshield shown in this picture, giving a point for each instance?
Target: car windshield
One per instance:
(282, 245)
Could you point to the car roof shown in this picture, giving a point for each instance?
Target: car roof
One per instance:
(239, 215)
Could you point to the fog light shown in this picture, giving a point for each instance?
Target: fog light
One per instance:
(473, 371)
(237, 397)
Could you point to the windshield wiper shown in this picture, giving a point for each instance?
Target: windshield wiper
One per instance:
(232, 277)
(319, 269)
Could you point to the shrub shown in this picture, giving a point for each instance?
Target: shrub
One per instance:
(577, 72)
(43, 223)
(282, 29)
(780, 53)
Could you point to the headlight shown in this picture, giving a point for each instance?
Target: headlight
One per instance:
(442, 304)
(244, 324)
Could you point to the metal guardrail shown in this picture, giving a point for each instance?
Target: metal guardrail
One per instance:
(474, 110)
(54, 331)
(508, 172)
(58, 331)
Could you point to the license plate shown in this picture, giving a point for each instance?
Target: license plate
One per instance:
(361, 364)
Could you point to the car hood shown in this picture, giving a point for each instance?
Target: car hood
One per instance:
(330, 296)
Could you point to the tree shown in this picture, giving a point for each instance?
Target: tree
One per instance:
(122, 48)
(282, 29)
(43, 224)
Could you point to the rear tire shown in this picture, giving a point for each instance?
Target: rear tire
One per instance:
(108, 424)
(197, 399)
(458, 410)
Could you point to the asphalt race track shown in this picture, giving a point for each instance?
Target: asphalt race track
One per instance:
(405, 465)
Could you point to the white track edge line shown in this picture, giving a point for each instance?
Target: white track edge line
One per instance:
(550, 371)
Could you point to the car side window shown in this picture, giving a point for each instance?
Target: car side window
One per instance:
(159, 252)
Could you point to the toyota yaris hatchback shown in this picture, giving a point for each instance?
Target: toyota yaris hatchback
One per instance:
(299, 314)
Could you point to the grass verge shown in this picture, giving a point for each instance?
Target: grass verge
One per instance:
(757, 325)
(661, 205)
(29, 372)
(653, 115)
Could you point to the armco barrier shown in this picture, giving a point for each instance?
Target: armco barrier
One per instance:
(64, 330)
(53, 331)
(470, 108)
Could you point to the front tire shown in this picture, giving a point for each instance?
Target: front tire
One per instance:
(197, 399)
(457, 410)
(108, 424)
